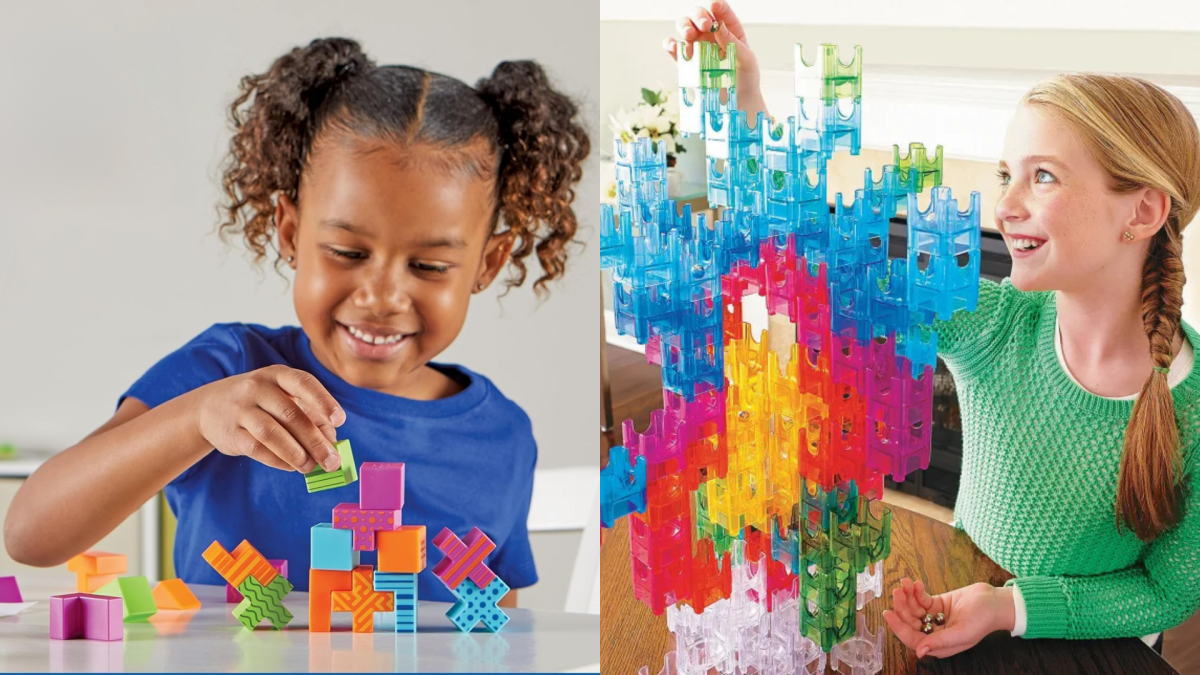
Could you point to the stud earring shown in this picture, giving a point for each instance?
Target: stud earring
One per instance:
(1127, 236)
(479, 286)
(290, 259)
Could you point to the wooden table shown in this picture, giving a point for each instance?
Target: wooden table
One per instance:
(631, 636)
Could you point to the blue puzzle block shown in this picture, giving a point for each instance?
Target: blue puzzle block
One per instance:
(622, 486)
(332, 549)
(404, 588)
(476, 604)
(943, 254)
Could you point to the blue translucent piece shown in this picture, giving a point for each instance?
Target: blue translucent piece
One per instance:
(943, 254)
(477, 604)
(849, 301)
(693, 360)
(785, 546)
(825, 123)
(622, 486)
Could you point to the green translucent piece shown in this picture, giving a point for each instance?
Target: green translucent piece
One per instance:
(319, 479)
(706, 69)
(705, 528)
(827, 78)
(7, 451)
(137, 600)
(917, 170)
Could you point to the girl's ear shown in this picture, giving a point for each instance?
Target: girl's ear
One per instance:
(286, 221)
(495, 255)
(1150, 213)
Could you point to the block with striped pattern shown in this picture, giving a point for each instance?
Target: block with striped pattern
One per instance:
(263, 602)
(363, 600)
(244, 561)
(319, 479)
(464, 559)
(404, 589)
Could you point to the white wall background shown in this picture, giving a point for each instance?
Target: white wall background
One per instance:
(112, 129)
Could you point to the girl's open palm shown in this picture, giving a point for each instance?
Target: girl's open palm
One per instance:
(280, 416)
(971, 612)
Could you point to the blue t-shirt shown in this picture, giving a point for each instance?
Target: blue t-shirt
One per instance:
(469, 462)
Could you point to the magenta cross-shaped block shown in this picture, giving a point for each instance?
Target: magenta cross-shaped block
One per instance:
(464, 560)
(88, 616)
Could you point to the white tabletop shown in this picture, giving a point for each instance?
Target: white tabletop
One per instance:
(211, 639)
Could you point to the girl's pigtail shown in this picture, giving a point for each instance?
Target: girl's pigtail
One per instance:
(274, 119)
(542, 153)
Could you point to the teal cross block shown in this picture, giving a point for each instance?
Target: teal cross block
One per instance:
(479, 604)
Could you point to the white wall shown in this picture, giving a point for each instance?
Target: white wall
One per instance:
(112, 129)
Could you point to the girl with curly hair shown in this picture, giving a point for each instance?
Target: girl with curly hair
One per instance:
(393, 194)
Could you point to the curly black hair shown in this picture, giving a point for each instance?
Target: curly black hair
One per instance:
(512, 128)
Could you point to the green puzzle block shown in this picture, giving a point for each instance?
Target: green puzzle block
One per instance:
(706, 69)
(263, 602)
(137, 601)
(319, 479)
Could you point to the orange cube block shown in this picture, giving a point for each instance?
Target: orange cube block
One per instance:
(321, 585)
(401, 550)
(174, 594)
(94, 569)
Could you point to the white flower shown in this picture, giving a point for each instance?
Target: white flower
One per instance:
(670, 143)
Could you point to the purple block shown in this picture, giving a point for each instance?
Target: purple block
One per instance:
(88, 616)
(381, 486)
(9, 591)
(232, 594)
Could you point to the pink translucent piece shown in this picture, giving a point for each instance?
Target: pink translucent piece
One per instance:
(381, 486)
(88, 616)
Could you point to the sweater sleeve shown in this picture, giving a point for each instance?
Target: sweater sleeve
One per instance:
(967, 338)
(1158, 593)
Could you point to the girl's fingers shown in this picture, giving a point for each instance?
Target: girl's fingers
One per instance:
(901, 608)
(722, 12)
(702, 19)
(943, 643)
(245, 444)
(301, 429)
(300, 384)
(916, 610)
(907, 634)
(687, 30)
(921, 596)
(267, 431)
(325, 427)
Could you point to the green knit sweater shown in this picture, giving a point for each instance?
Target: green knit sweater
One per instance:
(1039, 477)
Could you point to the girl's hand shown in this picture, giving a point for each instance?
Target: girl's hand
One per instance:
(697, 27)
(276, 415)
(971, 613)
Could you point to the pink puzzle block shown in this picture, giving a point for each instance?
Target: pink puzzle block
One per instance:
(9, 591)
(83, 615)
(381, 485)
(364, 523)
(464, 559)
(232, 594)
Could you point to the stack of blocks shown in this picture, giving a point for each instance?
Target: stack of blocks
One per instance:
(753, 452)
(94, 569)
(478, 588)
(338, 583)
(261, 584)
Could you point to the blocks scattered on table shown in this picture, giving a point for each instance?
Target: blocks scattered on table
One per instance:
(231, 591)
(9, 591)
(138, 601)
(94, 569)
(174, 594)
(477, 604)
(402, 550)
(319, 479)
(364, 523)
(263, 602)
(87, 616)
(332, 549)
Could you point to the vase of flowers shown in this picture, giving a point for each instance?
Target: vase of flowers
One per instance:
(655, 117)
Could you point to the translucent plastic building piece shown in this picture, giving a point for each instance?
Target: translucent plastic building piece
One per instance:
(870, 584)
(827, 77)
(702, 65)
(917, 171)
(836, 122)
(667, 669)
(622, 486)
(943, 254)
(861, 654)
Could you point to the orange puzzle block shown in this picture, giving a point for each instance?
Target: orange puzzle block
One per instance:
(174, 594)
(94, 569)
(402, 550)
(363, 600)
(321, 585)
(245, 561)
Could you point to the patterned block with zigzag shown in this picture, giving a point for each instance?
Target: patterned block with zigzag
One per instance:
(263, 602)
